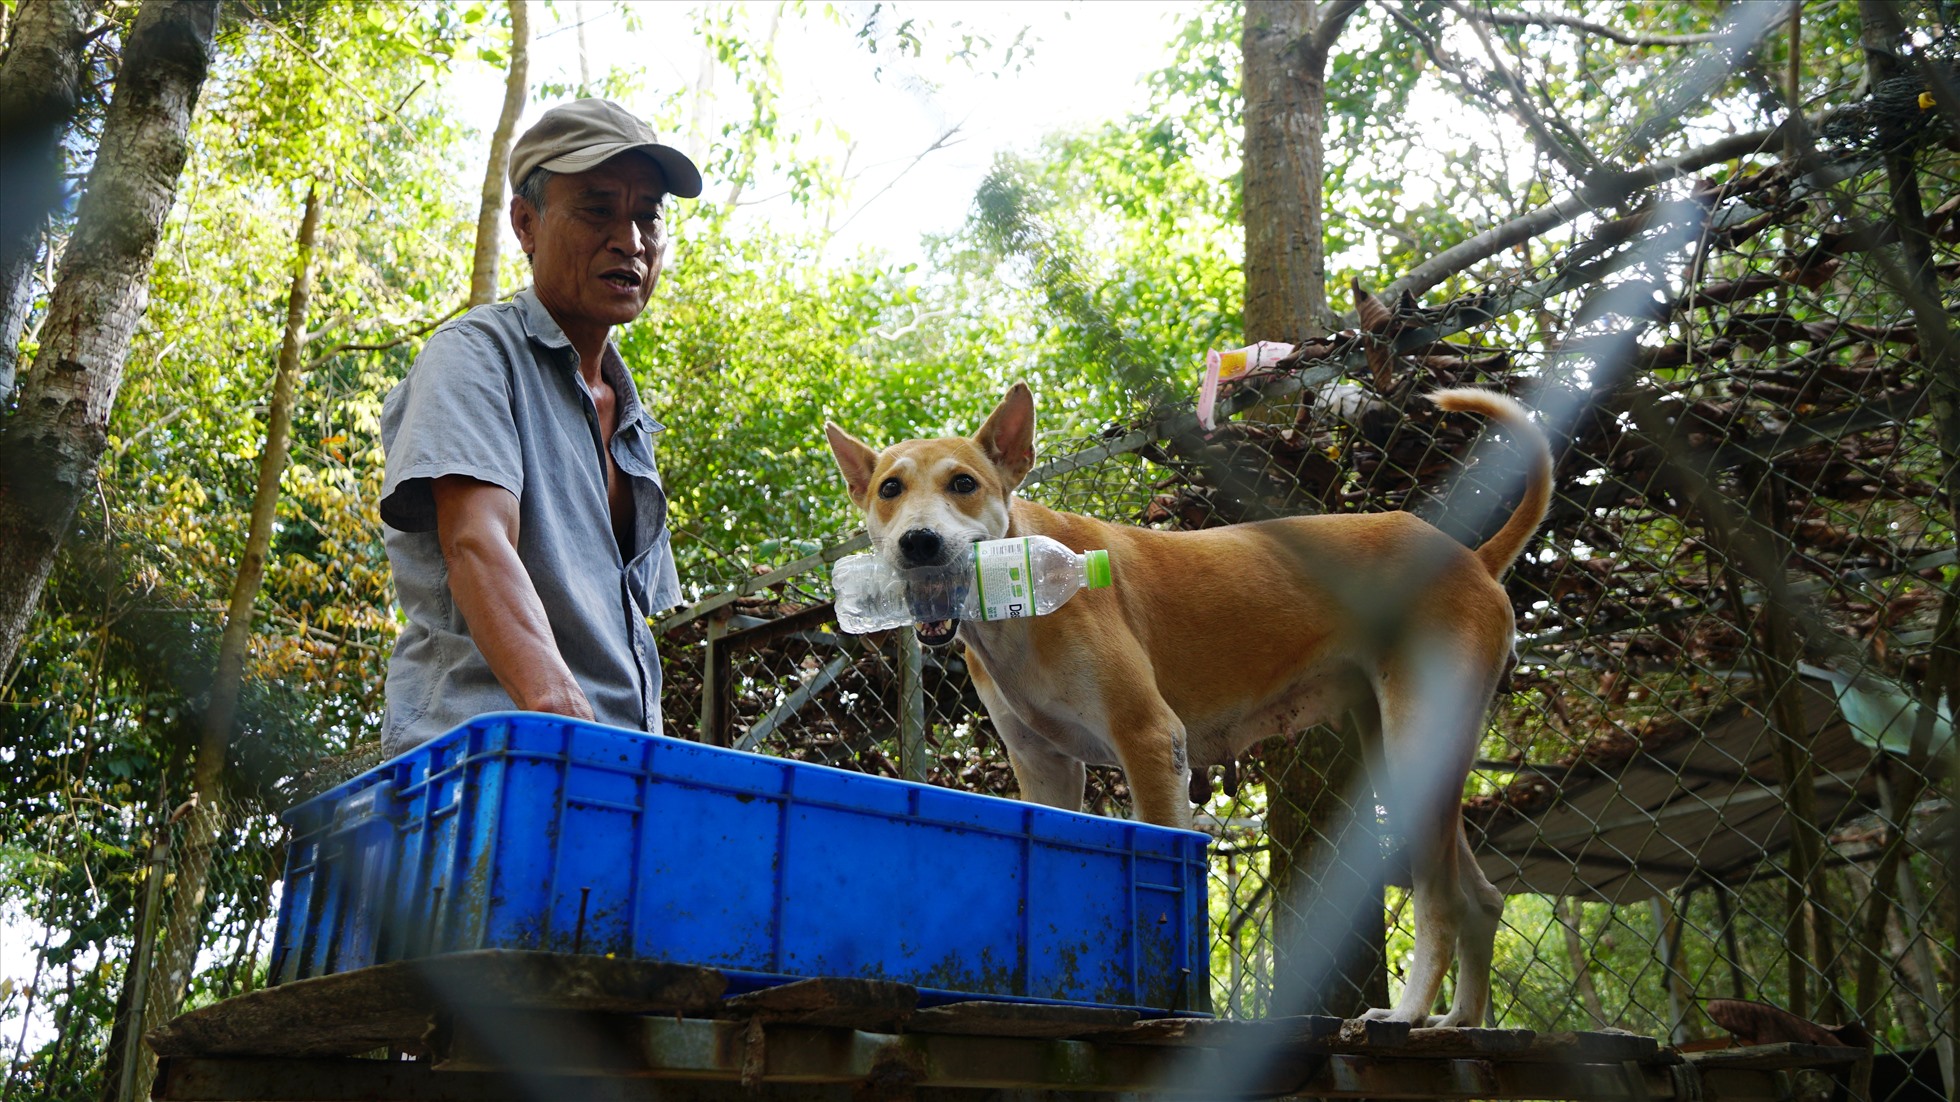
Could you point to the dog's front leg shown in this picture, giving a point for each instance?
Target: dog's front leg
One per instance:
(1150, 741)
(1045, 777)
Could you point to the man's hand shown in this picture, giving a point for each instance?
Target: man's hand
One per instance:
(476, 523)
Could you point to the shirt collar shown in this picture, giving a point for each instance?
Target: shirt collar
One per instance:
(625, 392)
(543, 329)
(539, 325)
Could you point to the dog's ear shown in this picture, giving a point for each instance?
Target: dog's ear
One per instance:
(1008, 436)
(855, 459)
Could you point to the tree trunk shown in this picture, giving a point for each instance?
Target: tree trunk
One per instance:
(490, 215)
(1310, 797)
(40, 91)
(1882, 33)
(198, 845)
(1570, 914)
(751, 139)
(1285, 120)
(1285, 48)
(126, 1057)
(50, 445)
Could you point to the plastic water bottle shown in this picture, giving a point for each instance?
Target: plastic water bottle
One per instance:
(999, 580)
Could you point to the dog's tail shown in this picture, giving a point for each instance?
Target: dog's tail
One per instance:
(1501, 550)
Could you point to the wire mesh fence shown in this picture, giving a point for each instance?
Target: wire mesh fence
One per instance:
(202, 899)
(1721, 769)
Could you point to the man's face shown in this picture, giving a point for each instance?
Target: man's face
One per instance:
(597, 247)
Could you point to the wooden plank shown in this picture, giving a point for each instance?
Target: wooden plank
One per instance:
(579, 1043)
(912, 763)
(1295, 1032)
(1778, 1057)
(856, 542)
(812, 1064)
(1467, 1042)
(285, 1079)
(289, 1079)
(851, 1004)
(717, 701)
(1596, 1048)
(745, 1053)
(1351, 1076)
(1003, 1019)
(830, 1065)
(396, 1004)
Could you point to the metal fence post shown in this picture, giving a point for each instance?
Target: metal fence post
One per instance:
(911, 707)
(715, 696)
(127, 1089)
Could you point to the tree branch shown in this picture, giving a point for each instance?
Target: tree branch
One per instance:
(491, 211)
(1333, 18)
(1595, 194)
(402, 338)
(1474, 89)
(273, 26)
(1569, 150)
(1624, 38)
(939, 143)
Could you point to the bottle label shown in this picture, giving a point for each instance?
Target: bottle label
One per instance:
(1004, 570)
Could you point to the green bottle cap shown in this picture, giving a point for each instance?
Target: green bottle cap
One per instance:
(1098, 569)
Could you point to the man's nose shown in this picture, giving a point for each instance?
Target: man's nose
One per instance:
(628, 239)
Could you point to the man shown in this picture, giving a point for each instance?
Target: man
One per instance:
(522, 511)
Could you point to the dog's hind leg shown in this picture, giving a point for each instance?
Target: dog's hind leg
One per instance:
(1432, 714)
(1476, 937)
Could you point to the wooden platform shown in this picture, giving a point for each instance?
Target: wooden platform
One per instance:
(506, 1025)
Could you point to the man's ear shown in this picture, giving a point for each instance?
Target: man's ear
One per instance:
(1008, 436)
(524, 223)
(855, 459)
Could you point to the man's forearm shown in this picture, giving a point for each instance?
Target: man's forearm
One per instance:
(508, 623)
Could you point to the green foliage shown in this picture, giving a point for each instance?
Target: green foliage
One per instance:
(104, 705)
(751, 345)
(1099, 265)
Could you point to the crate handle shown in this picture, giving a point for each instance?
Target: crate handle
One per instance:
(375, 802)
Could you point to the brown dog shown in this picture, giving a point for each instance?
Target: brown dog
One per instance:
(1210, 641)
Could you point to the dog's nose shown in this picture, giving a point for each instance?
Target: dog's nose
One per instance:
(921, 547)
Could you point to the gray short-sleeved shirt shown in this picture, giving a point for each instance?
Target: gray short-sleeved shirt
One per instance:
(496, 395)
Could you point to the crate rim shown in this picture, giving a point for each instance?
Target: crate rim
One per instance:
(368, 777)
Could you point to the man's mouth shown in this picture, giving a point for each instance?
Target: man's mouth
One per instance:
(936, 633)
(623, 279)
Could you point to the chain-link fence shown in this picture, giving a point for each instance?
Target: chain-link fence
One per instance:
(1722, 766)
(203, 904)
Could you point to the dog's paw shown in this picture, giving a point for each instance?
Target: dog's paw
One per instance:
(1415, 1021)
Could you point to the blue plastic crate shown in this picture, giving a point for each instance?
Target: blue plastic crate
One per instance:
(523, 831)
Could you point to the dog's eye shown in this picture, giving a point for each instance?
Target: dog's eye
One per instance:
(964, 484)
(890, 488)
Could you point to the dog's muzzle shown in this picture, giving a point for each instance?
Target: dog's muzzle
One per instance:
(936, 633)
(935, 584)
(922, 547)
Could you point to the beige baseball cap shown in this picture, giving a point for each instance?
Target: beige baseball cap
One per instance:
(585, 133)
